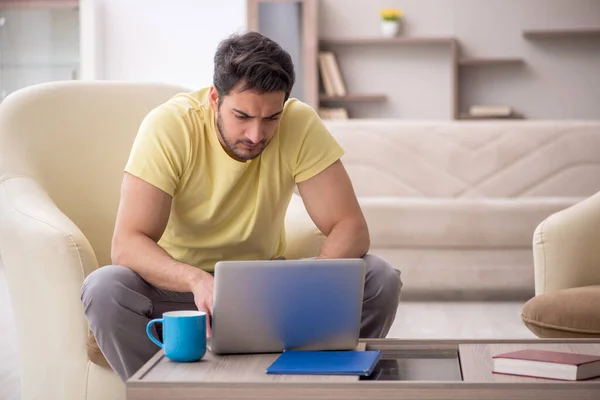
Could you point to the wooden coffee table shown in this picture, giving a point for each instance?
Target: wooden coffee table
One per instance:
(409, 369)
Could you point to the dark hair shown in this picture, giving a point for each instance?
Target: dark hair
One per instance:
(255, 62)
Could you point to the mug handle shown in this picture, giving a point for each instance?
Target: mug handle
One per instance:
(149, 332)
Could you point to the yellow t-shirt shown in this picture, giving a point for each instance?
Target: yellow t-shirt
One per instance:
(224, 209)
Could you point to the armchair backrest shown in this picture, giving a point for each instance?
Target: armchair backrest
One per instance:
(74, 138)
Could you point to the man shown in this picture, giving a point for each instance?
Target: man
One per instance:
(209, 178)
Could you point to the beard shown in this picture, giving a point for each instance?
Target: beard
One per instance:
(242, 155)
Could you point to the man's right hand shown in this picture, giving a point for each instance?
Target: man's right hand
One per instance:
(203, 290)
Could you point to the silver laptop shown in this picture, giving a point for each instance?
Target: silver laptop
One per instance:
(271, 306)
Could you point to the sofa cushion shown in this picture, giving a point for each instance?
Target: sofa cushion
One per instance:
(567, 313)
(94, 353)
(457, 223)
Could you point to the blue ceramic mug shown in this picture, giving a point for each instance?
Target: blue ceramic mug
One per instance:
(184, 335)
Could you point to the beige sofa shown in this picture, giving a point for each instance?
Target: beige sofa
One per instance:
(454, 204)
(62, 151)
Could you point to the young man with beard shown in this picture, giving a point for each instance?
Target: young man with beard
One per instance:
(209, 178)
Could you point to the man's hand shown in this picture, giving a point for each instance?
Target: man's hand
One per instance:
(203, 290)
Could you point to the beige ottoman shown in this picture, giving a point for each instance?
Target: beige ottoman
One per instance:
(567, 313)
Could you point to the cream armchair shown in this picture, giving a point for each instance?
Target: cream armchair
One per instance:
(566, 248)
(63, 146)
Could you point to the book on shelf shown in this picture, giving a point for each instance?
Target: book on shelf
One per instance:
(325, 75)
(331, 76)
(547, 364)
(490, 111)
(333, 113)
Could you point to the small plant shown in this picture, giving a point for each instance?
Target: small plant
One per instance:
(391, 14)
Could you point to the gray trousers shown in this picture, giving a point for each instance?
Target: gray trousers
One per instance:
(118, 305)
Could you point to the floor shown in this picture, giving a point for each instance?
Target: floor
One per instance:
(413, 320)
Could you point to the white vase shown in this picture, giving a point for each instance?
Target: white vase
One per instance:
(390, 28)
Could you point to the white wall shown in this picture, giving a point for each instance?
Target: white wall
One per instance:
(560, 78)
(37, 45)
(170, 41)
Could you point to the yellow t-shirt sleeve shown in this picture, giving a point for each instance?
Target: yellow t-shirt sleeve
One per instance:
(316, 148)
(161, 149)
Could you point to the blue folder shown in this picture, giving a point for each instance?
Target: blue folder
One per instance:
(294, 362)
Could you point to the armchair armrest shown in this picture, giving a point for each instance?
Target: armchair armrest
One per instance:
(566, 248)
(46, 258)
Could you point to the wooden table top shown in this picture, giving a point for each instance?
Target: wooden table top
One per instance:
(244, 377)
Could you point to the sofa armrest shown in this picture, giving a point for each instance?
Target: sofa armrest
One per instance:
(46, 258)
(566, 248)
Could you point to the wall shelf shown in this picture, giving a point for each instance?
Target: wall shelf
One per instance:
(40, 65)
(466, 74)
(383, 40)
(355, 98)
(467, 116)
(482, 61)
(561, 33)
(7, 4)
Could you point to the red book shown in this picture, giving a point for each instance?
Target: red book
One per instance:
(547, 364)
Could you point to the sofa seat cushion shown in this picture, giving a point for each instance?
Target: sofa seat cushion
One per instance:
(567, 313)
(457, 223)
